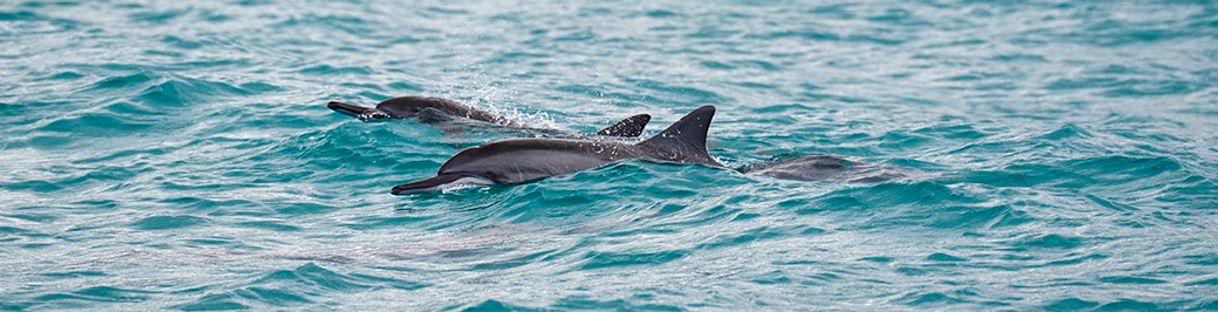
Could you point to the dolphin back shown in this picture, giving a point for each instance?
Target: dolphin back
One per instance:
(685, 140)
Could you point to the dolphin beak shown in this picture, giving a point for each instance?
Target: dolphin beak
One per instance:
(363, 113)
(347, 109)
(423, 186)
(440, 183)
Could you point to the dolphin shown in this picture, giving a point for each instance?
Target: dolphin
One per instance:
(819, 167)
(415, 107)
(517, 161)
(434, 110)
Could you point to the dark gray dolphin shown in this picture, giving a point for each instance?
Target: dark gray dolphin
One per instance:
(525, 160)
(434, 110)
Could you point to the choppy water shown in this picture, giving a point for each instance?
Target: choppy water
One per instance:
(178, 155)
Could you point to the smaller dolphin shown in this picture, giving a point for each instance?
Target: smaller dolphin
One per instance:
(415, 107)
(807, 168)
(525, 160)
(432, 110)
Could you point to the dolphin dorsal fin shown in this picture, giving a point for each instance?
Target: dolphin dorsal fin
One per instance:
(685, 140)
(628, 128)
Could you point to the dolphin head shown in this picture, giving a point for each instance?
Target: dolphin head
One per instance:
(426, 107)
(520, 161)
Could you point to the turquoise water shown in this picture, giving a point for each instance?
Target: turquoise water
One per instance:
(170, 155)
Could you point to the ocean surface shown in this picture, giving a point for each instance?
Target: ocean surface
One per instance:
(178, 155)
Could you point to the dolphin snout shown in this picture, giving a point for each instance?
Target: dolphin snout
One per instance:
(400, 190)
(346, 109)
(363, 113)
(440, 183)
